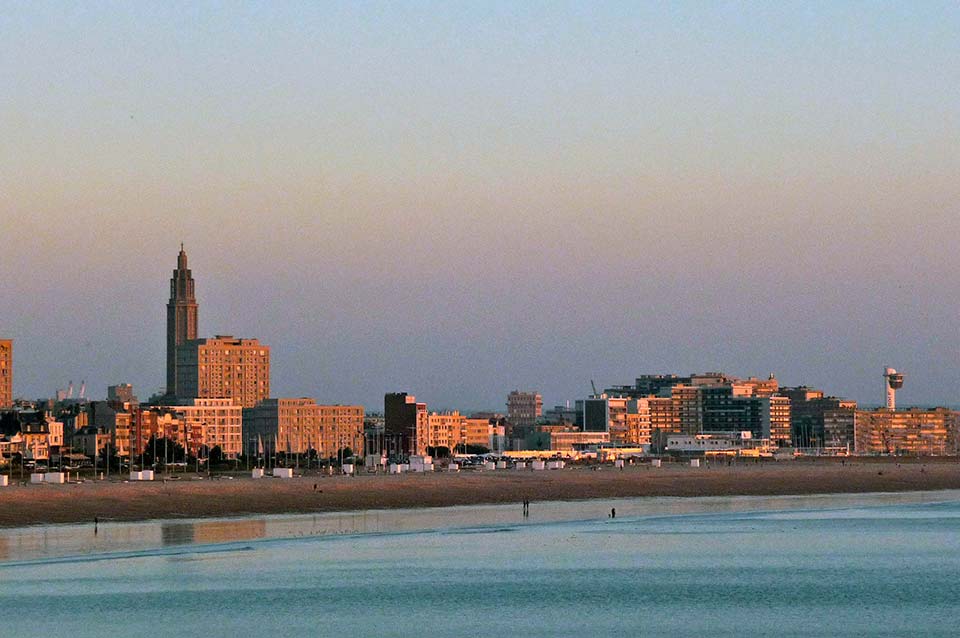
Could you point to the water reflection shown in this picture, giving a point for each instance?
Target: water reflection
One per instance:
(209, 532)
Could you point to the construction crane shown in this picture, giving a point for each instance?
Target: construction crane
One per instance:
(594, 386)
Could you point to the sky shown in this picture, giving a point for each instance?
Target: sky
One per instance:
(459, 199)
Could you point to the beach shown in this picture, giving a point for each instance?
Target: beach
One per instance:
(187, 497)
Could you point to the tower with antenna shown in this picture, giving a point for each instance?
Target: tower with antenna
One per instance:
(892, 381)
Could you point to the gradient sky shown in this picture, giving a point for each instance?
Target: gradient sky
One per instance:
(459, 199)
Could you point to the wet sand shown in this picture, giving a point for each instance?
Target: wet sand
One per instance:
(22, 505)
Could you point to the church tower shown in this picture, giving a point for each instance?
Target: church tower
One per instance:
(181, 317)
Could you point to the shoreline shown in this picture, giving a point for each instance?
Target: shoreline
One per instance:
(38, 505)
(74, 542)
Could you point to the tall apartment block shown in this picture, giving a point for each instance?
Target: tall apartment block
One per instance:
(224, 368)
(405, 423)
(300, 425)
(523, 410)
(181, 318)
(6, 373)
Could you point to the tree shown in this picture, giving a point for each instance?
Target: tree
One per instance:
(440, 452)
(216, 455)
(159, 450)
(471, 449)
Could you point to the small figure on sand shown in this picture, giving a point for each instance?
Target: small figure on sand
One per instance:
(526, 508)
(613, 512)
(96, 525)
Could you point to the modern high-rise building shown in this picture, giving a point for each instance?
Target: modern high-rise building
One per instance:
(181, 318)
(6, 373)
(224, 368)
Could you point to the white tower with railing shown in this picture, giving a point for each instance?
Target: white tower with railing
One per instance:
(892, 381)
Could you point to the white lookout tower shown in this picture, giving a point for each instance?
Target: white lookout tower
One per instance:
(893, 381)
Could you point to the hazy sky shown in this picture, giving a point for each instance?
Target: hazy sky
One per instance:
(459, 199)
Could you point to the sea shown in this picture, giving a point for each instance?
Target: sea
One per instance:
(839, 565)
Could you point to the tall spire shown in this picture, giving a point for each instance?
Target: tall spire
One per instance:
(181, 316)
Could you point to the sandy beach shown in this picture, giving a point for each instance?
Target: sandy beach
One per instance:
(22, 505)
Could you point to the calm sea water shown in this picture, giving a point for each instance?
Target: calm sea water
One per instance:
(869, 565)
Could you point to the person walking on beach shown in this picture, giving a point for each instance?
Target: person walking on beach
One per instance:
(613, 512)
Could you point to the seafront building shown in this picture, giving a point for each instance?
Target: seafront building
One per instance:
(165, 424)
(6, 374)
(300, 425)
(818, 421)
(711, 402)
(626, 420)
(404, 424)
(914, 431)
(208, 422)
(457, 432)
(839, 427)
